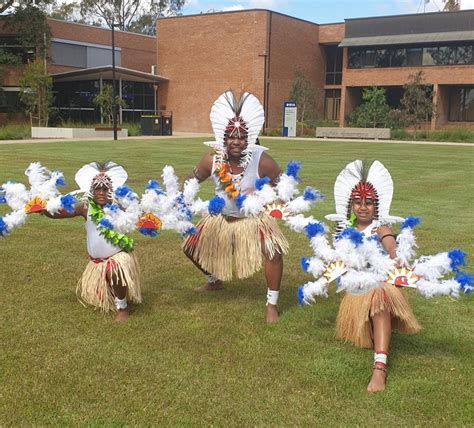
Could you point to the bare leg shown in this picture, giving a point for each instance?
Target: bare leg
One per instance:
(121, 293)
(208, 286)
(273, 274)
(382, 332)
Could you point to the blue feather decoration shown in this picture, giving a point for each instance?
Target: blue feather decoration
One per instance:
(314, 229)
(191, 231)
(3, 200)
(122, 191)
(301, 300)
(148, 232)
(261, 182)
(154, 185)
(68, 202)
(112, 207)
(457, 258)
(60, 181)
(312, 195)
(304, 263)
(239, 200)
(410, 222)
(466, 282)
(216, 205)
(106, 224)
(292, 169)
(3, 227)
(353, 235)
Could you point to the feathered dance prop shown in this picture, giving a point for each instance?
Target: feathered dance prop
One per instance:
(359, 264)
(280, 201)
(42, 195)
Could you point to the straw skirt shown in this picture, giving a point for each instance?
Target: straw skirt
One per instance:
(94, 289)
(355, 312)
(222, 246)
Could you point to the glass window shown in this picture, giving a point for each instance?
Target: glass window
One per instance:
(464, 55)
(461, 104)
(69, 54)
(398, 58)
(355, 58)
(382, 58)
(332, 104)
(10, 102)
(368, 58)
(414, 56)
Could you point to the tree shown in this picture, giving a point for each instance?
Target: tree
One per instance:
(451, 5)
(11, 5)
(417, 101)
(374, 110)
(129, 15)
(303, 93)
(105, 100)
(35, 92)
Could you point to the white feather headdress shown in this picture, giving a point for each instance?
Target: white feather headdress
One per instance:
(88, 172)
(378, 176)
(244, 115)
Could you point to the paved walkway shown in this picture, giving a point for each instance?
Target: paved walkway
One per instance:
(178, 135)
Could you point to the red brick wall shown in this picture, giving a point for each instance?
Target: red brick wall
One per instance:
(293, 46)
(203, 56)
(331, 33)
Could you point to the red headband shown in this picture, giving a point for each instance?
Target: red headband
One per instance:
(236, 128)
(364, 190)
(101, 180)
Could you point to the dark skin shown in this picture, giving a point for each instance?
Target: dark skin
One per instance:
(364, 211)
(101, 197)
(273, 267)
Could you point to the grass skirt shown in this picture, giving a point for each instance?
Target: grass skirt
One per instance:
(355, 312)
(221, 245)
(94, 289)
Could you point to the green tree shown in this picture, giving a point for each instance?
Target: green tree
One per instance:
(303, 93)
(129, 15)
(417, 101)
(374, 110)
(36, 94)
(105, 100)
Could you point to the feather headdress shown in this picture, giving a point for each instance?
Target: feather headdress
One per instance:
(94, 174)
(358, 181)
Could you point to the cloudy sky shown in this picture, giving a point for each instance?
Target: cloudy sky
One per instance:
(323, 11)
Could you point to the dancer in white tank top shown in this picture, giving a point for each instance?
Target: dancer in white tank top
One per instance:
(112, 274)
(231, 243)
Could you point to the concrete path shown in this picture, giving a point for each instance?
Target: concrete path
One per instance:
(178, 135)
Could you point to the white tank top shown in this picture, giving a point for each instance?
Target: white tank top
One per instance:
(246, 186)
(371, 229)
(97, 246)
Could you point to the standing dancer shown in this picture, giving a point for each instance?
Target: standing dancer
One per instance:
(229, 238)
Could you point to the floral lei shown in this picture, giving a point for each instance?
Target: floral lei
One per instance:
(118, 239)
(223, 173)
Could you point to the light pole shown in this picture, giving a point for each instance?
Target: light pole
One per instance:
(114, 103)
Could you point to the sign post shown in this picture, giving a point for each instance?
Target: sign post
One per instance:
(289, 119)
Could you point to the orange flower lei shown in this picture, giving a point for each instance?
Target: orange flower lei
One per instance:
(223, 173)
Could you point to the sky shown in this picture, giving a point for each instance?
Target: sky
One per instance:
(322, 11)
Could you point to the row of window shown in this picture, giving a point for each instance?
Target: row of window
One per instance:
(460, 107)
(409, 56)
(81, 56)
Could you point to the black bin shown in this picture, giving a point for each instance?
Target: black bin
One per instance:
(150, 125)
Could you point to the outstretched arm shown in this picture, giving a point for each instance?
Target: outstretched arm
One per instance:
(202, 171)
(269, 168)
(387, 238)
(80, 210)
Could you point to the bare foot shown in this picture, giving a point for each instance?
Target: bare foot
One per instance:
(271, 314)
(210, 286)
(377, 382)
(122, 315)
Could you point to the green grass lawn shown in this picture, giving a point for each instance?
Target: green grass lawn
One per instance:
(188, 359)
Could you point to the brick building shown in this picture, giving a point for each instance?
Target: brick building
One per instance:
(197, 57)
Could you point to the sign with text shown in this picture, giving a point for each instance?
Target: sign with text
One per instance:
(289, 119)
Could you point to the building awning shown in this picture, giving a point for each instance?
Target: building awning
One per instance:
(105, 72)
(402, 39)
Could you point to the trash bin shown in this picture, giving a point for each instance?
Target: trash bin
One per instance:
(166, 123)
(150, 125)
